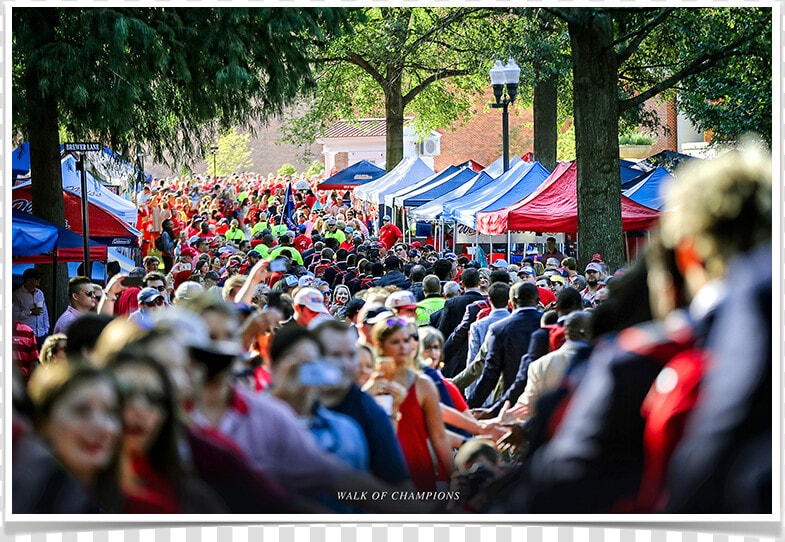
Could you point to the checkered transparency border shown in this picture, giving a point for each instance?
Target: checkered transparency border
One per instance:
(408, 532)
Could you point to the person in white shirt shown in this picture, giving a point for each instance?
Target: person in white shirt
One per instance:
(28, 305)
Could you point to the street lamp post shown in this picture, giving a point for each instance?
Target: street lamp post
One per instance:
(505, 77)
(214, 149)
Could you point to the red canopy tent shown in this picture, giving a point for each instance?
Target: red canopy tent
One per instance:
(553, 207)
(105, 227)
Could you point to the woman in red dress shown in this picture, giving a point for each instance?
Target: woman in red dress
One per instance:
(416, 410)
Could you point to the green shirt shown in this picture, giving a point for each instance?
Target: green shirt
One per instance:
(235, 234)
(259, 226)
(295, 253)
(427, 307)
(262, 249)
(338, 234)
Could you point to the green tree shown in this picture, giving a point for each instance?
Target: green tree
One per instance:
(426, 62)
(650, 51)
(163, 79)
(233, 153)
(287, 169)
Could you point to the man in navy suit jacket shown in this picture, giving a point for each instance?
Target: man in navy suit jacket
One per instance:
(453, 310)
(508, 340)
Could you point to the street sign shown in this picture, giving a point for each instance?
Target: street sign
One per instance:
(82, 147)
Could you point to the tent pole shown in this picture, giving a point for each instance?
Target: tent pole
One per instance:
(454, 234)
(627, 244)
(509, 246)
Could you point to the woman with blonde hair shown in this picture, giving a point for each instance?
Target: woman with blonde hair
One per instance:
(53, 349)
(418, 416)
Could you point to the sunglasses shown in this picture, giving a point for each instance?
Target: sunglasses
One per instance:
(155, 303)
(153, 397)
(90, 293)
(399, 321)
(414, 337)
(159, 288)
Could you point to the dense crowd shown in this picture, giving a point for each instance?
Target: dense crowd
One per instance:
(275, 353)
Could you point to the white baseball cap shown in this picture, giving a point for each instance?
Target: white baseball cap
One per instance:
(311, 298)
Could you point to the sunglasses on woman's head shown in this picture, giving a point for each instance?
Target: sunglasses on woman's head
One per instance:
(399, 321)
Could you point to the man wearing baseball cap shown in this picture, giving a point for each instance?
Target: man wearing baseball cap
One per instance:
(182, 270)
(403, 303)
(389, 233)
(593, 285)
(528, 274)
(309, 309)
(149, 300)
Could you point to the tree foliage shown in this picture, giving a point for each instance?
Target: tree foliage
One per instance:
(164, 78)
(233, 153)
(429, 63)
(623, 57)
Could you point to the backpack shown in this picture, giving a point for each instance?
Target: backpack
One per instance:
(159, 243)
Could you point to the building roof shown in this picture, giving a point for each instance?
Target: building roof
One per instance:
(359, 128)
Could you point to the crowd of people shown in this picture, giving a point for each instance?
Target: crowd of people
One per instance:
(275, 353)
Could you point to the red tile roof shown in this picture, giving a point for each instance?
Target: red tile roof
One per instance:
(359, 128)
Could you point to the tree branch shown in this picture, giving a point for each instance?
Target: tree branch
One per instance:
(358, 60)
(562, 14)
(702, 63)
(444, 74)
(640, 35)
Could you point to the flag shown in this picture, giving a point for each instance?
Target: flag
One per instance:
(287, 211)
(316, 205)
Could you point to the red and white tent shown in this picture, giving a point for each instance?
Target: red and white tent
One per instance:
(553, 207)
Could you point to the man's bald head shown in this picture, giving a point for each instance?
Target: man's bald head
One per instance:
(577, 326)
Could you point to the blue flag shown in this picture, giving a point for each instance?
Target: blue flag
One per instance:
(316, 205)
(287, 211)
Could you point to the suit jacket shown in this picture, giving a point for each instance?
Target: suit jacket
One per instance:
(451, 317)
(546, 373)
(507, 340)
(456, 346)
(475, 359)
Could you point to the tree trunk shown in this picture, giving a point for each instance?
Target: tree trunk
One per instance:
(596, 103)
(393, 108)
(545, 128)
(47, 184)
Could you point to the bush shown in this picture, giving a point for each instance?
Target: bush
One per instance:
(635, 138)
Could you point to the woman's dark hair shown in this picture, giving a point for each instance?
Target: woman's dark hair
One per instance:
(50, 384)
(163, 455)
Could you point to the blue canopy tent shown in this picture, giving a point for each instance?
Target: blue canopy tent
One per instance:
(433, 209)
(31, 236)
(355, 175)
(431, 192)
(480, 198)
(69, 245)
(408, 172)
(420, 186)
(670, 160)
(527, 178)
(647, 188)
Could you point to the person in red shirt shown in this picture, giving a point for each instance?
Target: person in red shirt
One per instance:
(302, 242)
(389, 234)
(183, 269)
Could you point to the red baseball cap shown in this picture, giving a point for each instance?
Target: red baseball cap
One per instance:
(188, 251)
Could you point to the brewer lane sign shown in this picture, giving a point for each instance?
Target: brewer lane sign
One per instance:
(82, 147)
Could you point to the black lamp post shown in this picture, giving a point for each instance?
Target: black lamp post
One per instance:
(214, 149)
(505, 77)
